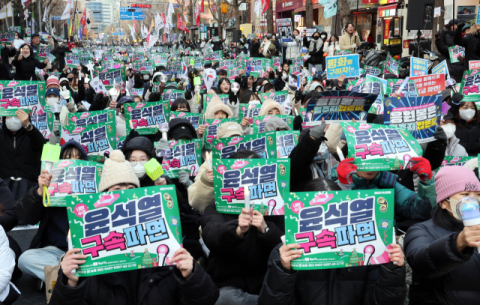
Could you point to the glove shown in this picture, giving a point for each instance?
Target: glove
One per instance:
(318, 132)
(298, 95)
(162, 145)
(440, 134)
(184, 178)
(457, 98)
(422, 168)
(188, 95)
(345, 170)
(354, 46)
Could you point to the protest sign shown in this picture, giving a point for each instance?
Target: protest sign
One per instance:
(72, 60)
(80, 119)
(22, 95)
(429, 84)
(263, 144)
(377, 147)
(195, 119)
(268, 181)
(340, 229)
(346, 65)
(113, 242)
(43, 52)
(280, 97)
(184, 155)
(98, 140)
(393, 84)
(285, 29)
(160, 60)
(469, 86)
(442, 68)
(419, 115)
(145, 117)
(208, 98)
(473, 64)
(391, 65)
(136, 91)
(110, 76)
(211, 131)
(249, 111)
(42, 119)
(72, 177)
(454, 161)
(342, 52)
(418, 66)
(286, 142)
(455, 52)
(369, 70)
(120, 142)
(170, 95)
(144, 67)
(259, 122)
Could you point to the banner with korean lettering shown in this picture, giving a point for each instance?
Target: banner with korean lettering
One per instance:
(110, 76)
(369, 84)
(195, 119)
(120, 142)
(429, 84)
(144, 67)
(43, 120)
(454, 161)
(22, 94)
(43, 52)
(212, 128)
(208, 97)
(418, 66)
(340, 229)
(346, 65)
(280, 97)
(378, 147)
(391, 65)
(443, 68)
(98, 140)
(419, 115)
(125, 230)
(263, 144)
(72, 60)
(455, 52)
(160, 60)
(145, 117)
(286, 142)
(170, 95)
(73, 177)
(79, 119)
(259, 122)
(184, 155)
(473, 64)
(393, 84)
(268, 181)
(469, 86)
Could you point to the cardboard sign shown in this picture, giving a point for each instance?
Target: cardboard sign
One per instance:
(454, 161)
(195, 119)
(346, 65)
(268, 181)
(378, 147)
(409, 90)
(145, 117)
(263, 144)
(468, 87)
(429, 84)
(455, 52)
(211, 131)
(259, 122)
(185, 155)
(80, 119)
(340, 229)
(125, 230)
(286, 142)
(120, 142)
(73, 177)
(442, 68)
(42, 119)
(418, 66)
(419, 115)
(22, 95)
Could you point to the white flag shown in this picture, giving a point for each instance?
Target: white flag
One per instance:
(45, 15)
(209, 78)
(66, 12)
(170, 12)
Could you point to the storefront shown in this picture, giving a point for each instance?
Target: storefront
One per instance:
(389, 24)
(285, 9)
(364, 21)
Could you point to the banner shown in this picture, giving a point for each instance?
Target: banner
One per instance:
(286, 142)
(340, 229)
(418, 66)
(81, 119)
(145, 117)
(170, 95)
(125, 230)
(469, 86)
(419, 115)
(409, 90)
(268, 181)
(110, 76)
(442, 68)
(346, 65)
(184, 155)
(22, 94)
(211, 131)
(455, 52)
(378, 147)
(284, 28)
(195, 119)
(429, 84)
(259, 122)
(263, 144)
(180, 25)
(391, 65)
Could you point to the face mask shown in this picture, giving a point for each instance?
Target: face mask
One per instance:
(139, 170)
(453, 206)
(468, 114)
(13, 124)
(52, 100)
(324, 38)
(254, 102)
(449, 130)
(315, 37)
(26, 56)
(146, 77)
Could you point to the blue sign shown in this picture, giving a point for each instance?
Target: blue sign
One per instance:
(346, 65)
(117, 34)
(441, 68)
(56, 17)
(137, 14)
(478, 15)
(418, 66)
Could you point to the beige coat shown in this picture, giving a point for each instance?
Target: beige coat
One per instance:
(200, 193)
(346, 42)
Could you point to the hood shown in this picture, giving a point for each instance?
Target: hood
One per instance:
(77, 146)
(139, 143)
(31, 50)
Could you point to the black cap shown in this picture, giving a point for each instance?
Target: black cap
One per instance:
(35, 35)
(179, 128)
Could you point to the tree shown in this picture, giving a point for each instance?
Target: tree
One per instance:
(270, 18)
(438, 21)
(309, 14)
(344, 13)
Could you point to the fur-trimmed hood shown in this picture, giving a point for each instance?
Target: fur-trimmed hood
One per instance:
(215, 105)
(269, 105)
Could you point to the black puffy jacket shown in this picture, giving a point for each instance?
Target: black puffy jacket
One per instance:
(7, 202)
(441, 273)
(469, 42)
(26, 66)
(469, 135)
(382, 284)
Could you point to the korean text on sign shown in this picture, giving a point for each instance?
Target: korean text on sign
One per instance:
(342, 65)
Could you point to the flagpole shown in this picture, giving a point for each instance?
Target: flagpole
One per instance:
(39, 17)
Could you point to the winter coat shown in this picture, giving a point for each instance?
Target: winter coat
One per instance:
(25, 68)
(7, 220)
(20, 153)
(5, 65)
(121, 127)
(238, 261)
(7, 264)
(447, 37)
(200, 193)
(293, 48)
(254, 50)
(315, 50)
(331, 48)
(469, 42)
(455, 69)
(469, 135)
(347, 40)
(364, 285)
(163, 285)
(454, 148)
(441, 274)
(59, 52)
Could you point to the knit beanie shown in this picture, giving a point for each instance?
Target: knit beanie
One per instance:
(450, 180)
(53, 80)
(117, 170)
(275, 123)
(457, 98)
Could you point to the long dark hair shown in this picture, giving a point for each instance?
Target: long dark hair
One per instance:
(321, 184)
(476, 117)
(220, 82)
(443, 219)
(336, 40)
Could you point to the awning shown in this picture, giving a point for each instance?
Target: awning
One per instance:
(301, 9)
(387, 7)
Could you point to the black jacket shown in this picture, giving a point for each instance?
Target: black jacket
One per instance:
(469, 42)
(59, 52)
(441, 274)
(20, 153)
(26, 66)
(469, 135)
(7, 219)
(254, 50)
(456, 69)
(238, 261)
(378, 284)
(164, 285)
(5, 65)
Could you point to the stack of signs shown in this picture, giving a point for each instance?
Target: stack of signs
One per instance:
(22, 94)
(73, 177)
(429, 84)
(286, 142)
(340, 229)
(267, 180)
(195, 119)
(377, 147)
(170, 95)
(98, 140)
(455, 52)
(185, 155)
(419, 115)
(81, 119)
(263, 144)
(454, 161)
(409, 90)
(147, 238)
(469, 86)
(145, 117)
(418, 66)
(259, 122)
(43, 121)
(211, 131)
(346, 65)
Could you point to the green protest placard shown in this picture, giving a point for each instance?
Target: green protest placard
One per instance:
(12, 111)
(280, 97)
(184, 155)
(195, 119)
(71, 59)
(268, 181)
(263, 144)
(455, 52)
(170, 95)
(144, 67)
(410, 89)
(80, 119)
(211, 131)
(73, 177)
(22, 94)
(208, 98)
(377, 147)
(454, 161)
(340, 229)
(145, 117)
(97, 139)
(469, 86)
(249, 111)
(391, 64)
(110, 76)
(286, 142)
(125, 230)
(120, 142)
(43, 120)
(43, 52)
(259, 122)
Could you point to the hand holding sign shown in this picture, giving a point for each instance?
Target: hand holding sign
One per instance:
(288, 253)
(244, 221)
(70, 262)
(184, 262)
(396, 255)
(43, 180)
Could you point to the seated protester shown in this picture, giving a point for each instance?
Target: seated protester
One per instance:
(8, 292)
(442, 251)
(373, 284)
(216, 109)
(200, 193)
(185, 283)
(121, 127)
(239, 248)
(467, 126)
(270, 107)
(50, 242)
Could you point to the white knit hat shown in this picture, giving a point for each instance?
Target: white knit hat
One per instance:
(269, 105)
(215, 105)
(117, 170)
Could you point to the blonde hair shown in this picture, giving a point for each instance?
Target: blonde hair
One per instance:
(473, 29)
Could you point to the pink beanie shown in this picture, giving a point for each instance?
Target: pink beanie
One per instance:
(53, 80)
(450, 180)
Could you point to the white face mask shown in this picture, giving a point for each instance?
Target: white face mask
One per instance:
(468, 114)
(254, 102)
(449, 130)
(13, 123)
(26, 55)
(52, 100)
(284, 76)
(138, 169)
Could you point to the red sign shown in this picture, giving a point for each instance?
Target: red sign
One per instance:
(406, 44)
(429, 84)
(369, 1)
(386, 29)
(140, 5)
(474, 64)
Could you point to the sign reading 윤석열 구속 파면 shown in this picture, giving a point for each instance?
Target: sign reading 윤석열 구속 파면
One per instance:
(125, 230)
(340, 229)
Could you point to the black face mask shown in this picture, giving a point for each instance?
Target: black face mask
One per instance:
(315, 37)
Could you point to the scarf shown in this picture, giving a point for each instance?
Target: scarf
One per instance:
(315, 45)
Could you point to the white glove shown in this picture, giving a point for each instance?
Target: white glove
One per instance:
(354, 46)
(130, 83)
(162, 145)
(197, 89)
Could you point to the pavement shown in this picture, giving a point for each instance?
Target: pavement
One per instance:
(27, 284)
